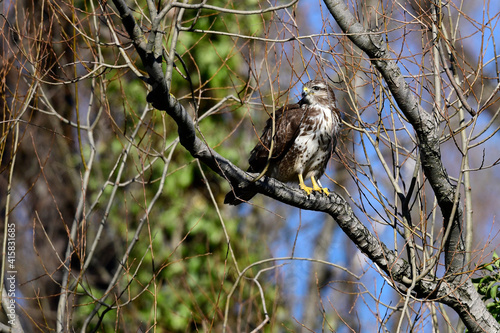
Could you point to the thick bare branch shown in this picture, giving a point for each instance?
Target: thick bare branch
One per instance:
(424, 124)
(426, 129)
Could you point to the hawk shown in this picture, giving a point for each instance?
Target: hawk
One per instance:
(305, 137)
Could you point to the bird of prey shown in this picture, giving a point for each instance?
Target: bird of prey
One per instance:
(305, 138)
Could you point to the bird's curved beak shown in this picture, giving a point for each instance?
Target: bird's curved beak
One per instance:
(305, 92)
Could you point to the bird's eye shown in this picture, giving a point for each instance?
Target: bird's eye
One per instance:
(315, 88)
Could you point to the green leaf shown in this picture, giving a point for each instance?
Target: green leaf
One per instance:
(493, 291)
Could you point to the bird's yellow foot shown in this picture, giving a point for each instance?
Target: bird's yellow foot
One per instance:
(306, 188)
(318, 188)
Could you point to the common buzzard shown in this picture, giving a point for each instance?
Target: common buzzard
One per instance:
(305, 137)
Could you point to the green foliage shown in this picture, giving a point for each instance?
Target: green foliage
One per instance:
(214, 63)
(179, 271)
(487, 285)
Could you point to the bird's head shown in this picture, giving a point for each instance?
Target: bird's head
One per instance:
(317, 91)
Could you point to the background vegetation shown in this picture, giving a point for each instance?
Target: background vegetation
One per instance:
(119, 227)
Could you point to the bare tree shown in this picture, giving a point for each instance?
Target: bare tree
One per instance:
(118, 212)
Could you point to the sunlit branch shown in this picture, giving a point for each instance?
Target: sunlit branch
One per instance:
(232, 11)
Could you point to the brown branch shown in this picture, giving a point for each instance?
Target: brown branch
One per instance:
(426, 128)
(457, 89)
(232, 11)
(424, 124)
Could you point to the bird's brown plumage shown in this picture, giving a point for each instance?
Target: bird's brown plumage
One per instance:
(305, 137)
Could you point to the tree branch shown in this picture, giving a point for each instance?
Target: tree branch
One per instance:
(424, 124)
(334, 205)
(233, 11)
(426, 128)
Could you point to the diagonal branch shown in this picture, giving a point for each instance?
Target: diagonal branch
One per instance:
(424, 124)
(462, 296)
(334, 205)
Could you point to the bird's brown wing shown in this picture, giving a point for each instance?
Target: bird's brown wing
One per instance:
(287, 123)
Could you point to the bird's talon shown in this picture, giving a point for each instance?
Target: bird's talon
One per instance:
(322, 190)
(317, 188)
(307, 189)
